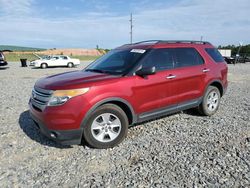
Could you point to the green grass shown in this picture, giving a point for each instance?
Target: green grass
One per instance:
(85, 58)
(19, 48)
(15, 57)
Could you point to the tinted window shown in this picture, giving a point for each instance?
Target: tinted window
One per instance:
(185, 57)
(64, 57)
(162, 59)
(215, 54)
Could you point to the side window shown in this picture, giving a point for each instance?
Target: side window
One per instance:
(55, 58)
(64, 57)
(185, 57)
(215, 55)
(162, 59)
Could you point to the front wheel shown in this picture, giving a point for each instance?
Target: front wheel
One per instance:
(106, 127)
(210, 102)
(44, 65)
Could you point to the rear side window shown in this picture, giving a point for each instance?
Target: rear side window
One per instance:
(215, 54)
(185, 57)
(161, 58)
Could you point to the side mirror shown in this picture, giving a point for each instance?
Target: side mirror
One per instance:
(145, 71)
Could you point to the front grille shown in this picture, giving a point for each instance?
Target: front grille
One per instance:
(40, 97)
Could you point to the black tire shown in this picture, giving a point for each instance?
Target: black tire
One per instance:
(88, 134)
(44, 65)
(210, 109)
(70, 65)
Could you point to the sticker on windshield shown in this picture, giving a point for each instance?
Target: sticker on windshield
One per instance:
(140, 51)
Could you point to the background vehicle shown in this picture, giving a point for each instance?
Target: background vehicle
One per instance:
(241, 59)
(55, 61)
(229, 60)
(128, 85)
(2, 60)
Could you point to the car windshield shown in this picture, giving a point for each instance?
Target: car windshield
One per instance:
(116, 61)
(46, 57)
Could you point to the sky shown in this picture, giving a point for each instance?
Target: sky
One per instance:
(87, 23)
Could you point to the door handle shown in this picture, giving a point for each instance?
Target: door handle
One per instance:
(171, 76)
(205, 70)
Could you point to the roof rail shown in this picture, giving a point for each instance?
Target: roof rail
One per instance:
(185, 41)
(143, 42)
(148, 41)
(171, 41)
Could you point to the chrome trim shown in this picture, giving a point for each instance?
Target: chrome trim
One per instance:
(40, 97)
(171, 77)
(205, 70)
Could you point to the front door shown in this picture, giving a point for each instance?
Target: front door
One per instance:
(155, 91)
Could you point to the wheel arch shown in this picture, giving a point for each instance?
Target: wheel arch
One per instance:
(218, 84)
(122, 103)
(44, 63)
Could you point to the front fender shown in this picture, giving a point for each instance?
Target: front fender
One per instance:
(107, 100)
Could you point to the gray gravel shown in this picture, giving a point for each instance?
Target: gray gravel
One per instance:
(181, 150)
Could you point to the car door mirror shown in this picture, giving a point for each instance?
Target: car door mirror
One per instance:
(145, 71)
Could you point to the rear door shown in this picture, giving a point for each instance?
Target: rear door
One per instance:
(190, 73)
(64, 60)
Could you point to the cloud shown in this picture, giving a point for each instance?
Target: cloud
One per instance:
(16, 7)
(222, 22)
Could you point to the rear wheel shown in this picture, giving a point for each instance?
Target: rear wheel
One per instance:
(106, 127)
(44, 65)
(70, 65)
(210, 102)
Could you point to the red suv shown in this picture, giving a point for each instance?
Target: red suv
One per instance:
(128, 85)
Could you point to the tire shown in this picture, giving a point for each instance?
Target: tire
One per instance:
(106, 127)
(44, 65)
(70, 65)
(210, 102)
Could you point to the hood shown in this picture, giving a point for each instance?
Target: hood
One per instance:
(73, 80)
(37, 60)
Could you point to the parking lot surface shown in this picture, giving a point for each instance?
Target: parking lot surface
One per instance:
(183, 149)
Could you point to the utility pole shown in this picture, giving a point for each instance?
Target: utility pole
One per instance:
(201, 38)
(238, 53)
(131, 28)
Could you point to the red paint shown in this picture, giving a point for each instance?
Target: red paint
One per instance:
(143, 94)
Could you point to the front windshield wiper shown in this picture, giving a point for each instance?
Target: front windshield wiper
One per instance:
(103, 71)
(96, 70)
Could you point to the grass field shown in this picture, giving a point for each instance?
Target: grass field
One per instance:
(15, 57)
(19, 48)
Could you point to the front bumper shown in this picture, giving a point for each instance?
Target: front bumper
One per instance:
(64, 137)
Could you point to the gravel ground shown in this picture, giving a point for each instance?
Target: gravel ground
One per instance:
(181, 150)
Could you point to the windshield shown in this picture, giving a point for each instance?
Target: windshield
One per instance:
(116, 61)
(46, 57)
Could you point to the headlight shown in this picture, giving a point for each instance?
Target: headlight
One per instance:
(60, 97)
